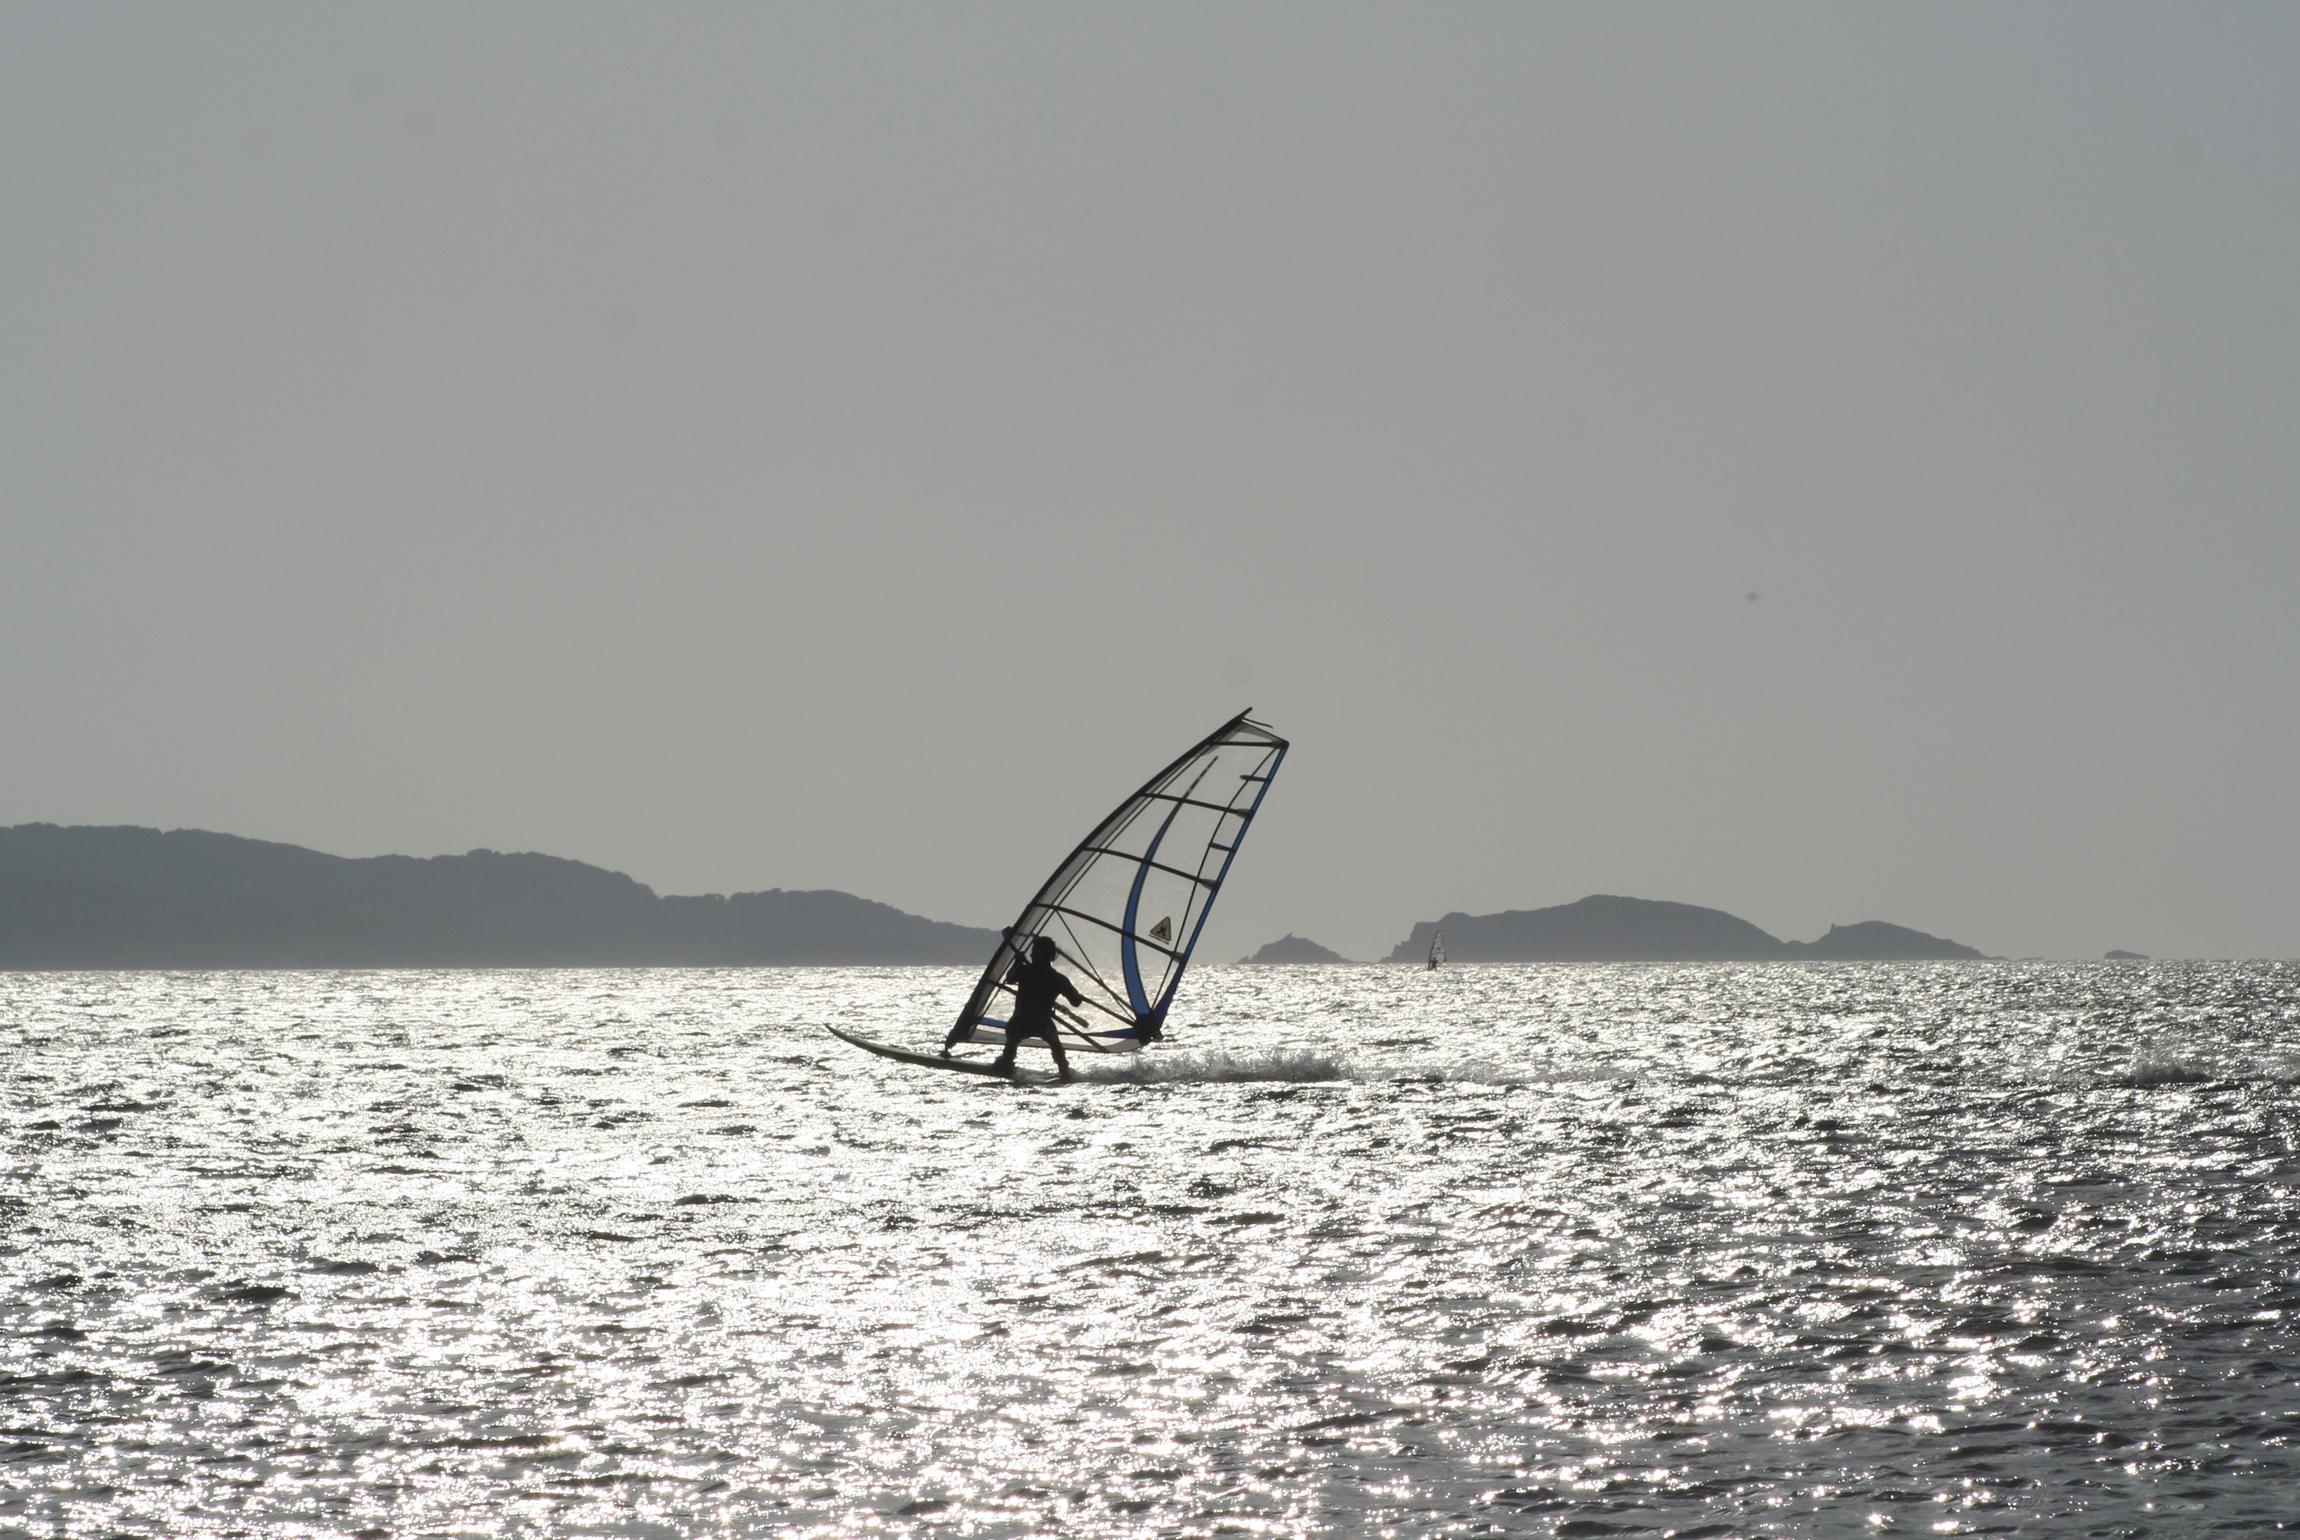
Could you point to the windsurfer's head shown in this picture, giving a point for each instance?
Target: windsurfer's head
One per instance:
(1042, 950)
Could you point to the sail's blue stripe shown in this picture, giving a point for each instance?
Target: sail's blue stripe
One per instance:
(1136, 995)
(1245, 820)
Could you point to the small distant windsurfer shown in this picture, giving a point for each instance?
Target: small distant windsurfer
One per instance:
(1036, 987)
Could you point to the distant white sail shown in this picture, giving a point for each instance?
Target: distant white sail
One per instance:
(1127, 905)
(1437, 949)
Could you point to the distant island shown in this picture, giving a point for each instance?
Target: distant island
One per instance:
(2118, 954)
(1291, 948)
(1603, 928)
(122, 897)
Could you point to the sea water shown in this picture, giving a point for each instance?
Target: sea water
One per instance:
(1799, 1250)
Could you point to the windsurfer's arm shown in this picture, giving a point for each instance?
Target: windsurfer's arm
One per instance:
(1071, 990)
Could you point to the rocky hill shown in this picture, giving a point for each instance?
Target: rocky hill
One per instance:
(1291, 948)
(1605, 928)
(139, 898)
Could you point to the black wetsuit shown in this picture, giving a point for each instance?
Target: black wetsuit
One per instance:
(1036, 985)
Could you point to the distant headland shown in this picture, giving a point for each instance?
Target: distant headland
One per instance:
(1291, 948)
(1603, 928)
(139, 898)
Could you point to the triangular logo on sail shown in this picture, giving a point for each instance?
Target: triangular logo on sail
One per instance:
(1163, 930)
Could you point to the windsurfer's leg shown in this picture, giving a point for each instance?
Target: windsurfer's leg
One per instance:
(1061, 1060)
(1014, 1036)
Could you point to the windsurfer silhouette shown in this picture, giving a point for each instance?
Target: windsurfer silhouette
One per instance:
(1036, 986)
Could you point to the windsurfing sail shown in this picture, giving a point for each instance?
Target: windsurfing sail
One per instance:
(1125, 907)
(1437, 949)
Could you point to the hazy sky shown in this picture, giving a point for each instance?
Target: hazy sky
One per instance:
(1826, 462)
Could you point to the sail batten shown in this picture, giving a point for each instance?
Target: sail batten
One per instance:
(1159, 865)
(1219, 807)
(1111, 925)
(1127, 905)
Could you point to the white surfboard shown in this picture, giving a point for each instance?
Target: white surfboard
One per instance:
(1023, 1075)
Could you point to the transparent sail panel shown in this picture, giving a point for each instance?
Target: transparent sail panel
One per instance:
(1128, 904)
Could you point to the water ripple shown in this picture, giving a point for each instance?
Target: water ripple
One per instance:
(1572, 1251)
